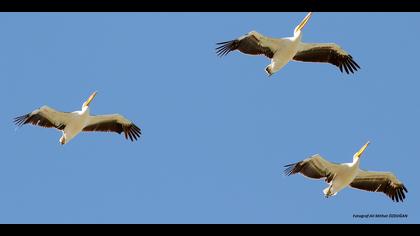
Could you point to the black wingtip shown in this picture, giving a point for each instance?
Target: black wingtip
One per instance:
(289, 169)
(348, 65)
(397, 194)
(225, 47)
(20, 120)
(132, 132)
(354, 62)
(351, 65)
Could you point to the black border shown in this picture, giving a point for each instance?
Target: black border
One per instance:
(209, 6)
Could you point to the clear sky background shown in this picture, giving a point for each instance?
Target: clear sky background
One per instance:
(216, 131)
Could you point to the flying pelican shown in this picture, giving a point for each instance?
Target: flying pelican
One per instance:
(283, 50)
(72, 123)
(339, 176)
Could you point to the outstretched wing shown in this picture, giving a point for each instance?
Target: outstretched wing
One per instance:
(327, 53)
(248, 44)
(45, 117)
(385, 182)
(315, 167)
(113, 123)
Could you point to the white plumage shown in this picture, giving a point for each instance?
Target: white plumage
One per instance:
(283, 50)
(339, 176)
(72, 123)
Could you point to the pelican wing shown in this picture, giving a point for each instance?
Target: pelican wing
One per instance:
(385, 182)
(248, 44)
(45, 117)
(315, 167)
(113, 123)
(327, 53)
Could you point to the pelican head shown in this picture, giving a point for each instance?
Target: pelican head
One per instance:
(302, 23)
(358, 154)
(91, 97)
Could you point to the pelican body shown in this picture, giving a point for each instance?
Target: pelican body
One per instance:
(72, 123)
(340, 176)
(283, 50)
(75, 125)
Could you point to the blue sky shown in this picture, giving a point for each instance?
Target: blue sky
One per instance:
(216, 131)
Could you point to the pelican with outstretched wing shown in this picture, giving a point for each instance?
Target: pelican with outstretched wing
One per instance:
(339, 176)
(72, 123)
(283, 50)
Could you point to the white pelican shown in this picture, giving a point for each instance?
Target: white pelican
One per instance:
(340, 176)
(283, 50)
(72, 123)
